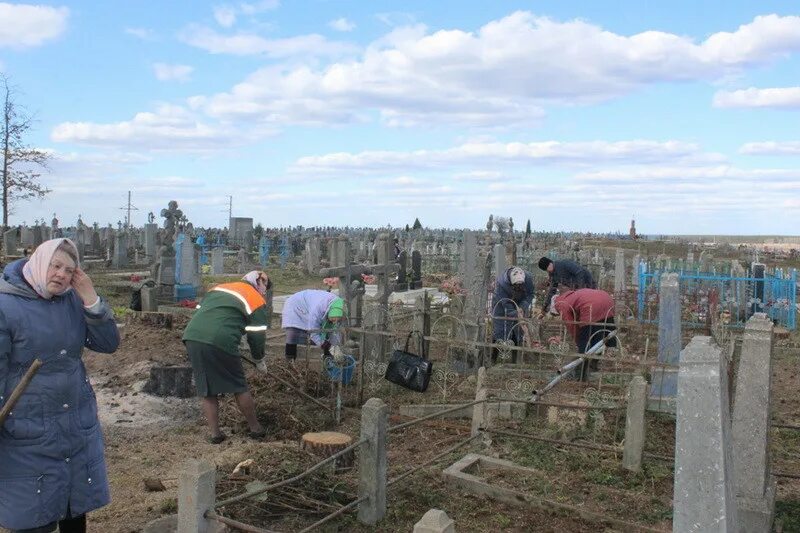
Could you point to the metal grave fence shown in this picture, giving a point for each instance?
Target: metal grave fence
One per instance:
(734, 298)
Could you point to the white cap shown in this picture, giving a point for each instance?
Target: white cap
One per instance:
(516, 275)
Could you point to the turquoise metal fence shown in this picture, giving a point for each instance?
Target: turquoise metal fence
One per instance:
(735, 298)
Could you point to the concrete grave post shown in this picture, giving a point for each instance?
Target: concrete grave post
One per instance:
(372, 462)
(635, 270)
(476, 273)
(635, 424)
(755, 487)
(704, 492)
(196, 495)
(422, 321)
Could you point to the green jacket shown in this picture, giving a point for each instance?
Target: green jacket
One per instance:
(227, 312)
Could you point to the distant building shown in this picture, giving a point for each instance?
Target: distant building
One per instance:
(632, 231)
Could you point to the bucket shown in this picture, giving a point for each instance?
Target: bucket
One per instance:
(343, 373)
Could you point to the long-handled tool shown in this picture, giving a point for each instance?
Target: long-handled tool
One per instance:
(18, 390)
(567, 369)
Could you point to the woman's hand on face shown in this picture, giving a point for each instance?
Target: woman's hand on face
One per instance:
(84, 287)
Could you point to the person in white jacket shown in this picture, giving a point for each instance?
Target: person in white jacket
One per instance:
(311, 314)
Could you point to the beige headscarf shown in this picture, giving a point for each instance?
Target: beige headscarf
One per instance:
(35, 270)
(252, 278)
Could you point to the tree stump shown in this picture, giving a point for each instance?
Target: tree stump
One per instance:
(170, 381)
(327, 443)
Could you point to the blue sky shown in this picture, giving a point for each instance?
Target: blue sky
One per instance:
(576, 115)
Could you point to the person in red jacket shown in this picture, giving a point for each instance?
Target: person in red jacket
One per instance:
(589, 317)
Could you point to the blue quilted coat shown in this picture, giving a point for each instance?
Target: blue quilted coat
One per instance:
(503, 305)
(51, 446)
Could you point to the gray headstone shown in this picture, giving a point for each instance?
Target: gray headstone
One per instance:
(416, 270)
(402, 274)
(755, 487)
(120, 257)
(95, 242)
(664, 383)
(187, 256)
(10, 241)
(150, 231)
(619, 272)
(149, 298)
(217, 261)
(26, 236)
(704, 492)
(38, 238)
(312, 255)
(500, 263)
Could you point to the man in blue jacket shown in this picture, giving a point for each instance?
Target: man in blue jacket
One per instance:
(564, 273)
(513, 295)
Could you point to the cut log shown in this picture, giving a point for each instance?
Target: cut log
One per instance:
(170, 381)
(327, 443)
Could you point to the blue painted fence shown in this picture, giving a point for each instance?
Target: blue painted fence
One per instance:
(737, 297)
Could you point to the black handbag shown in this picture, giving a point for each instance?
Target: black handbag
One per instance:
(409, 370)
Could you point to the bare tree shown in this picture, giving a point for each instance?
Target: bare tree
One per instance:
(22, 164)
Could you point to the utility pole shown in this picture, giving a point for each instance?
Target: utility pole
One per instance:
(128, 208)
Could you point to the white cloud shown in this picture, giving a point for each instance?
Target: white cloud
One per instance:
(480, 175)
(169, 128)
(496, 154)
(707, 174)
(342, 24)
(777, 97)
(498, 76)
(144, 34)
(25, 25)
(253, 8)
(771, 148)
(167, 72)
(225, 16)
(242, 44)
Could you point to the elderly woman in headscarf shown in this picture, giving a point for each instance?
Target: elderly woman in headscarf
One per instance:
(226, 313)
(311, 311)
(52, 468)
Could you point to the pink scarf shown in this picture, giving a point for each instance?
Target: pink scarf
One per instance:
(35, 270)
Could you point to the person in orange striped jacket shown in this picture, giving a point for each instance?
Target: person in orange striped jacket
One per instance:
(226, 313)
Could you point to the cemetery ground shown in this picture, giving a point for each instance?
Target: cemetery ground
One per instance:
(149, 437)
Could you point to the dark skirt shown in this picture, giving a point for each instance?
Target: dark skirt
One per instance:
(215, 371)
